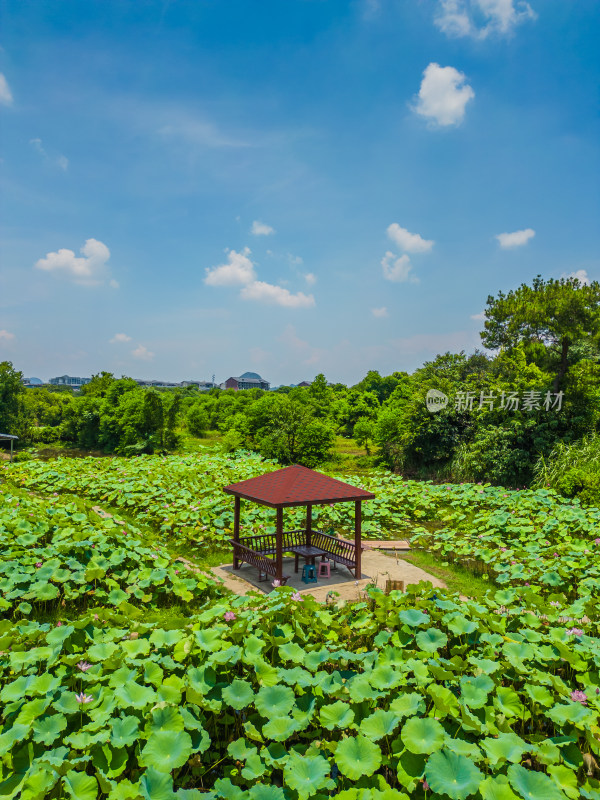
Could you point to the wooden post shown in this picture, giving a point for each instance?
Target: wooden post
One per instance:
(279, 546)
(308, 523)
(236, 531)
(357, 545)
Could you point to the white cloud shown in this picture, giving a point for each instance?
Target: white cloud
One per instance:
(515, 239)
(443, 95)
(60, 161)
(480, 18)
(397, 269)
(113, 283)
(410, 242)
(142, 353)
(6, 336)
(310, 278)
(87, 271)
(261, 229)
(6, 97)
(479, 317)
(120, 337)
(379, 312)
(276, 295)
(580, 275)
(239, 270)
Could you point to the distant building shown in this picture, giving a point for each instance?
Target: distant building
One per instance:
(30, 382)
(157, 384)
(67, 380)
(304, 383)
(249, 380)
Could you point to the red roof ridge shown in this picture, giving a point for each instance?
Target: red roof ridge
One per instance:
(296, 485)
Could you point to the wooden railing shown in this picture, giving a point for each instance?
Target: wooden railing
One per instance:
(338, 549)
(263, 564)
(255, 550)
(266, 542)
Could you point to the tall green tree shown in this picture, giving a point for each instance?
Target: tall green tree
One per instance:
(550, 317)
(13, 415)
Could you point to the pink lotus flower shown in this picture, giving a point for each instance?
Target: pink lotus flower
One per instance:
(579, 697)
(555, 555)
(574, 632)
(503, 549)
(297, 596)
(96, 616)
(84, 666)
(84, 698)
(229, 616)
(425, 785)
(58, 624)
(276, 583)
(555, 603)
(597, 541)
(38, 564)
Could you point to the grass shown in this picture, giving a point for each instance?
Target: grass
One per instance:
(196, 444)
(456, 578)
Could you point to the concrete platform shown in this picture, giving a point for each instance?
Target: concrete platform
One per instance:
(377, 568)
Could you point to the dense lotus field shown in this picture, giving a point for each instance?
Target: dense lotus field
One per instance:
(56, 557)
(416, 695)
(528, 538)
(406, 696)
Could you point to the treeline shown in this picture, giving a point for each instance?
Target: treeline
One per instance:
(501, 417)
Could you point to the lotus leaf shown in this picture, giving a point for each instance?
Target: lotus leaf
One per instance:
(379, 724)
(452, 775)
(306, 774)
(166, 749)
(422, 735)
(81, 786)
(533, 785)
(274, 700)
(336, 715)
(431, 640)
(357, 756)
(413, 617)
(238, 694)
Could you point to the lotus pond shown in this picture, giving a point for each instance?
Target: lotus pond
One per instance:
(408, 695)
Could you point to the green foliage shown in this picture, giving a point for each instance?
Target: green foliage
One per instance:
(196, 420)
(160, 712)
(548, 317)
(573, 469)
(13, 417)
(55, 558)
(394, 697)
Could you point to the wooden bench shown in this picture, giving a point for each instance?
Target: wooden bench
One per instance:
(265, 566)
(337, 550)
(255, 550)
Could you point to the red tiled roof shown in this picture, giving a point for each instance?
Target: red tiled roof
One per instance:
(296, 486)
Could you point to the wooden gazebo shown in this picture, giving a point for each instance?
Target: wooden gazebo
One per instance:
(285, 488)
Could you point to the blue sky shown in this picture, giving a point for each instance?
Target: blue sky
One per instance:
(293, 187)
